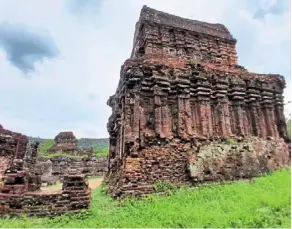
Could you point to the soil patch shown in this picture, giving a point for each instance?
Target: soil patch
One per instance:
(93, 182)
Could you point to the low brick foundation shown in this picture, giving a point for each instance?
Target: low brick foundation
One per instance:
(74, 196)
(186, 163)
(54, 169)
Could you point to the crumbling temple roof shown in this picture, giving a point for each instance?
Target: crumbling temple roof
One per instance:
(154, 16)
(64, 142)
(166, 34)
(65, 135)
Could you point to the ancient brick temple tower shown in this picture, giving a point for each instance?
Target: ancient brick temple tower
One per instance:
(64, 142)
(185, 111)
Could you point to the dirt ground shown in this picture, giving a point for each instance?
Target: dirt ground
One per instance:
(93, 183)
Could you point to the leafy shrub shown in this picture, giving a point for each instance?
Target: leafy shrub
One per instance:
(43, 148)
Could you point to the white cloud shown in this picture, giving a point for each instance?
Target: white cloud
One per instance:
(95, 41)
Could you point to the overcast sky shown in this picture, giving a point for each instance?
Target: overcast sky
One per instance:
(60, 60)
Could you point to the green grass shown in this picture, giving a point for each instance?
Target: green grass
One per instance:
(264, 203)
(100, 151)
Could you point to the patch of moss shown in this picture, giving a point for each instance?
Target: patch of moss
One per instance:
(230, 141)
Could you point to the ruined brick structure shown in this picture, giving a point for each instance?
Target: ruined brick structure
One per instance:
(181, 103)
(12, 150)
(20, 183)
(84, 160)
(64, 142)
(30, 157)
(54, 169)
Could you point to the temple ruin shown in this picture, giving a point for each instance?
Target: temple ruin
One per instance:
(68, 156)
(186, 112)
(65, 142)
(20, 183)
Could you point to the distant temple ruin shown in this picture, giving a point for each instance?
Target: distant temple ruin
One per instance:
(68, 156)
(185, 111)
(64, 142)
(20, 183)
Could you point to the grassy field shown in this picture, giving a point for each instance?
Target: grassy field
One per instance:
(262, 203)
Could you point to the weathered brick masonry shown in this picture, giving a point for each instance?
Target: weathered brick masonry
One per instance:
(185, 111)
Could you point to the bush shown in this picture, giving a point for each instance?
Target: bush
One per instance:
(43, 148)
